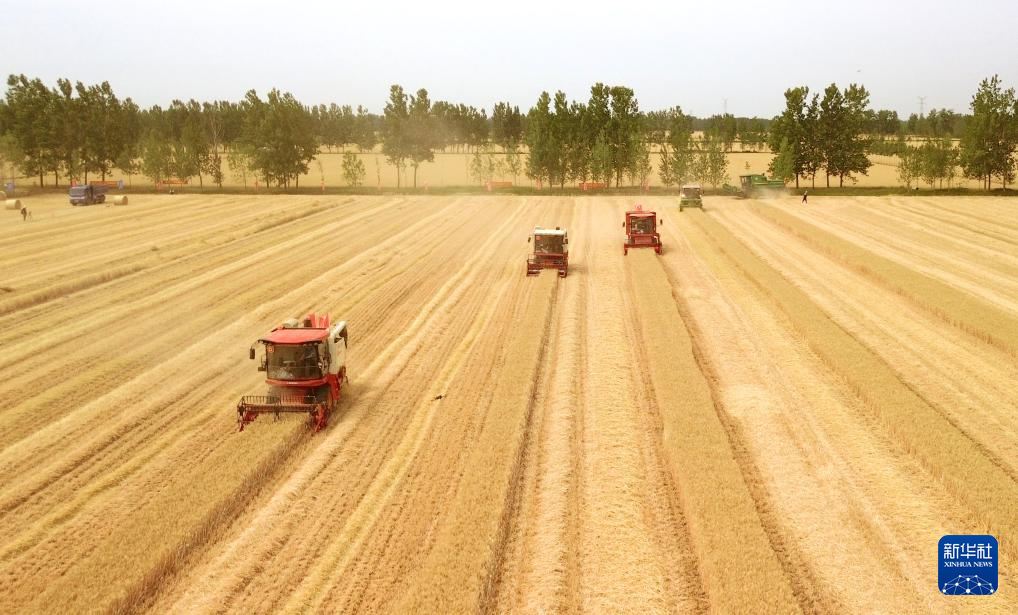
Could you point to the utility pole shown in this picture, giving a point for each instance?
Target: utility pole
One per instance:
(726, 106)
(922, 105)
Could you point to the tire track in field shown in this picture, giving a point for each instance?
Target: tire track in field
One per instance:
(951, 457)
(327, 281)
(365, 525)
(1000, 209)
(140, 431)
(705, 461)
(65, 268)
(623, 561)
(800, 578)
(176, 283)
(396, 545)
(149, 343)
(85, 311)
(960, 376)
(395, 558)
(985, 273)
(995, 240)
(540, 571)
(819, 477)
(166, 233)
(366, 442)
(897, 526)
(959, 308)
(459, 572)
(541, 508)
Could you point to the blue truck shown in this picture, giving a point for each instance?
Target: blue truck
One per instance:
(87, 195)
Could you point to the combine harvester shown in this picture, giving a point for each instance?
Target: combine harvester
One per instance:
(305, 366)
(551, 251)
(641, 230)
(692, 196)
(755, 185)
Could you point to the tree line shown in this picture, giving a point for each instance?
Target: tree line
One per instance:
(76, 131)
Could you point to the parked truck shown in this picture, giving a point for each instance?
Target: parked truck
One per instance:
(87, 195)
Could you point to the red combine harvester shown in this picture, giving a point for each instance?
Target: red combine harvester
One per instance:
(551, 251)
(641, 230)
(305, 366)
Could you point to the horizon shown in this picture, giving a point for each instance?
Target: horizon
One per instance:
(449, 55)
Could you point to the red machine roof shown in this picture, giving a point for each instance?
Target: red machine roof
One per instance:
(640, 214)
(312, 328)
(295, 336)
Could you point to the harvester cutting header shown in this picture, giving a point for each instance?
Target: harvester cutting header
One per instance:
(305, 366)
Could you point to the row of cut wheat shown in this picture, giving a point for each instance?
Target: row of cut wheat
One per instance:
(947, 453)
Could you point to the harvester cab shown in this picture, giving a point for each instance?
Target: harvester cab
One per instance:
(551, 251)
(305, 366)
(641, 230)
(692, 196)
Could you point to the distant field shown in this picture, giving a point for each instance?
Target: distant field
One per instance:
(783, 412)
(453, 169)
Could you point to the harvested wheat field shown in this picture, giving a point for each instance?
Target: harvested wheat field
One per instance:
(783, 412)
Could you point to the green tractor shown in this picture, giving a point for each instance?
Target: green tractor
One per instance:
(692, 196)
(753, 185)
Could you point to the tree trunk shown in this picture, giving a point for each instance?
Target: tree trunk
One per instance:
(796, 181)
(296, 182)
(841, 181)
(415, 177)
(828, 174)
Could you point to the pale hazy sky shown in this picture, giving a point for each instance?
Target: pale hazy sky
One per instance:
(693, 54)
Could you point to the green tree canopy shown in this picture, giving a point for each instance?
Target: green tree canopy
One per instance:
(991, 136)
(279, 133)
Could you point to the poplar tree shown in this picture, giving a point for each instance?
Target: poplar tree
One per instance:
(991, 135)
(540, 140)
(791, 128)
(422, 138)
(395, 130)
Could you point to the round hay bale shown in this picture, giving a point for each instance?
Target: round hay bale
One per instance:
(120, 200)
(12, 204)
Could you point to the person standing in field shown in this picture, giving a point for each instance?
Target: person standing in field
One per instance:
(805, 193)
(25, 214)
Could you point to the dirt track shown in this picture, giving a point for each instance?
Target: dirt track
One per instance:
(651, 434)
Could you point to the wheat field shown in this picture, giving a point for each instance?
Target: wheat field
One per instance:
(452, 168)
(783, 412)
